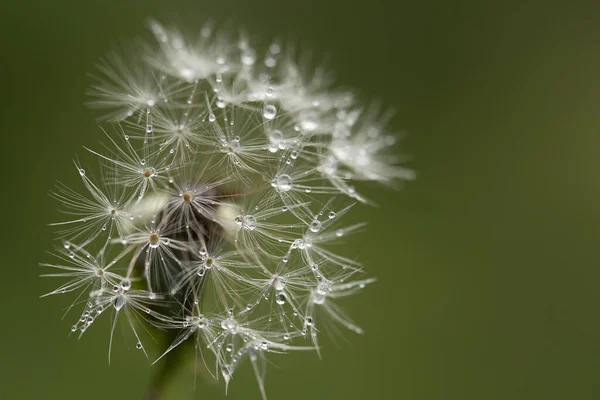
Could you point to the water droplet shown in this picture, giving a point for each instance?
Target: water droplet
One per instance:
(249, 222)
(315, 226)
(284, 183)
(269, 111)
(279, 283)
(229, 324)
(211, 117)
(126, 284)
(339, 233)
(119, 302)
(229, 348)
(331, 215)
(138, 345)
(81, 171)
(248, 56)
(280, 298)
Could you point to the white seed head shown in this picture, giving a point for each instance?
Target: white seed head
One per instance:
(218, 191)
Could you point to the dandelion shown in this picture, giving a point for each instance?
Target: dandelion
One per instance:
(217, 212)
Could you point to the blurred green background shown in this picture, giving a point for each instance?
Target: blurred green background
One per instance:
(488, 264)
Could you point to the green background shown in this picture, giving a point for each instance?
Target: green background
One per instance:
(487, 264)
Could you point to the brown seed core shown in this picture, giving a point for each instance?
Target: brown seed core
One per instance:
(188, 197)
(113, 211)
(154, 238)
(147, 173)
(210, 261)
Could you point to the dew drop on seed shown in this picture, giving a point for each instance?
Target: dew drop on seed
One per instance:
(211, 117)
(138, 345)
(126, 284)
(280, 298)
(331, 215)
(315, 226)
(249, 222)
(284, 183)
(279, 283)
(229, 324)
(269, 111)
(119, 302)
(81, 171)
(248, 57)
(339, 233)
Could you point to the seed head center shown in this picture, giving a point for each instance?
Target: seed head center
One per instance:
(148, 173)
(188, 197)
(154, 238)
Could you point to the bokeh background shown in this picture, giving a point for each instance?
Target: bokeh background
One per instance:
(488, 263)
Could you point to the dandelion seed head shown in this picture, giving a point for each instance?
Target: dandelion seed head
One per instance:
(224, 178)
